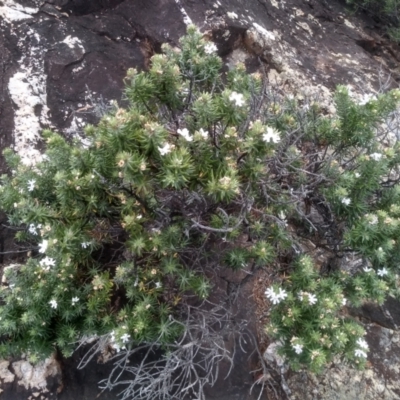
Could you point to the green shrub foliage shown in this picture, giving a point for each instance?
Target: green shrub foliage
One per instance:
(386, 11)
(205, 169)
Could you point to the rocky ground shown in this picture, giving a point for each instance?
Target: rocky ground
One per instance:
(63, 61)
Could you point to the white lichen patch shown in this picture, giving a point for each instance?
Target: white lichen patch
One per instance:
(11, 11)
(79, 67)
(73, 43)
(295, 81)
(28, 91)
(267, 34)
(336, 55)
(35, 376)
(76, 130)
(274, 3)
(27, 88)
(349, 24)
(272, 355)
(315, 21)
(306, 27)
(352, 61)
(298, 12)
(237, 56)
(186, 19)
(77, 125)
(5, 374)
(232, 15)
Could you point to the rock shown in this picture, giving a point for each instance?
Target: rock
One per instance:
(84, 7)
(271, 355)
(378, 381)
(236, 383)
(387, 315)
(279, 366)
(69, 54)
(21, 380)
(6, 375)
(63, 61)
(265, 44)
(37, 376)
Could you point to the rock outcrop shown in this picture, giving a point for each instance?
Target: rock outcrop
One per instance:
(21, 379)
(62, 63)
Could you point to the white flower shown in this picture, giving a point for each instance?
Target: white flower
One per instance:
(85, 245)
(312, 298)
(43, 246)
(367, 269)
(31, 184)
(344, 301)
(271, 135)
(125, 338)
(270, 294)
(360, 353)
(373, 219)
(47, 262)
(376, 156)
(74, 300)
(158, 285)
(237, 98)
(165, 149)
(362, 343)
(53, 303)
(357, 174)
(116, 346)
(382, 272)
(185, 134)
(210, 48)
(275, 298)
(282, 294)
(33, 229)
(203, 133)
(346, 201)
(298, 348)
(225, 182)
(366, 99)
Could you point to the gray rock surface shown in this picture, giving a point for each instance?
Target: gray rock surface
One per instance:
(378, 381)
(60, 59)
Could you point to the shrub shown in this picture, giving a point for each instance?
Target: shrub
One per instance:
(205, 169)
(387, 11)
